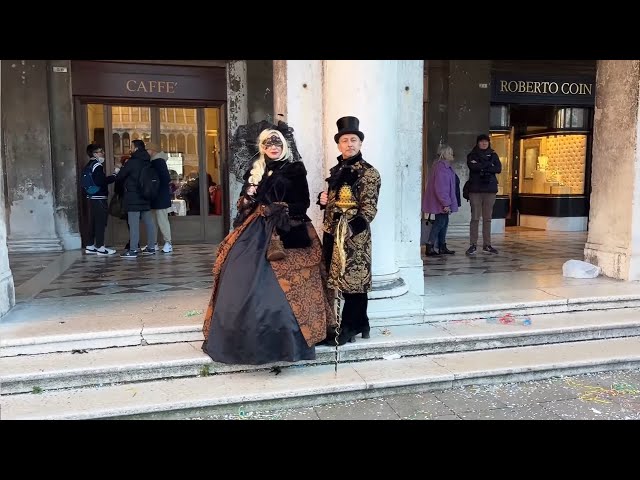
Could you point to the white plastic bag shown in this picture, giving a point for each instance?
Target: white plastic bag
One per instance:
(580, 269)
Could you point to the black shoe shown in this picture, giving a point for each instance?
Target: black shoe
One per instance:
(445, 251)
(346, 335)
(430, 251)
(489, 249)
(471, 250)
(366, 333)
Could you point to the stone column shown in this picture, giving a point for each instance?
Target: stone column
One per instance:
(7, 289)
(259, 90)
(27, 146)
(613, 241)
(237, 114)
(63, 152)
(297, 95)
(369, 90)
(410, 96)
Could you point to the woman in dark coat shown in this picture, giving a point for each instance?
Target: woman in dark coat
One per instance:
(135, 204)
(261, 310)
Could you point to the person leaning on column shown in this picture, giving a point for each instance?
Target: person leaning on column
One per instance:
(352, 252)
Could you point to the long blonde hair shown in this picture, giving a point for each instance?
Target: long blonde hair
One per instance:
(257, 170)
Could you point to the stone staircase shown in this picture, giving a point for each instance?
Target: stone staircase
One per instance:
(68, 378)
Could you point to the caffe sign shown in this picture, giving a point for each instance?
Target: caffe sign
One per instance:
(150, 86)
(116, 80)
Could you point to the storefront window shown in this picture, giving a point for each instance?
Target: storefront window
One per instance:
(501, 143)
(553, 164)
(499, 117)
(184, 167)
(571, 118)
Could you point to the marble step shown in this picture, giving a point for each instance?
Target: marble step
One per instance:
(27, 373)
(320, 384)
(78, 324)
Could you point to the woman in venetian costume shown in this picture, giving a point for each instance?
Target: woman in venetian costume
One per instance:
(269, 302)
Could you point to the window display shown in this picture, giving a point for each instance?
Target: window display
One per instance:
(502, 144)
(553, 164)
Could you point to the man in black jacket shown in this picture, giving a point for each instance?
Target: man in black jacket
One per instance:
(98, 208)
(134, 202)
(483, 165)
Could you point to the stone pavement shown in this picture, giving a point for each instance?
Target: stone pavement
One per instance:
(525, 255)
(598, 396)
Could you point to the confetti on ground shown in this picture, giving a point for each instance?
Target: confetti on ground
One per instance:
(510, 319)
(465, 322)
(193, 313)
(597, 394)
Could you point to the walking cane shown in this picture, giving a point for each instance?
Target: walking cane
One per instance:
(345, 202)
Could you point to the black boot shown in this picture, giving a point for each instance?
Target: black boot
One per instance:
(346, 335)
(366, 332)
(445, 251)
(430, 251)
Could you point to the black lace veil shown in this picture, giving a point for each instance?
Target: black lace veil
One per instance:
(244, 145)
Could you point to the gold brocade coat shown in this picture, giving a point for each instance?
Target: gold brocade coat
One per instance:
(365, 182)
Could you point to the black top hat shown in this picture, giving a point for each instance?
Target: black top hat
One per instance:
(348, 125)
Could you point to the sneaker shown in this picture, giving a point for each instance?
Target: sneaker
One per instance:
(149, 251)
(471, 250)
(129, 254)
(489, 249)
(105, 251)
(90, 249)
(168, 248)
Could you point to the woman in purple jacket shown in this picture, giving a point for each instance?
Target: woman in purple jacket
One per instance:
(440, 199)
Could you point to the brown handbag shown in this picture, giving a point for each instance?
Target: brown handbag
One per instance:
(275, 250)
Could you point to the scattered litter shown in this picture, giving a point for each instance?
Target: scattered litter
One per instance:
(510, 319)
(393, 356)
(276, 370)
(78, 351)
(596, 411)
(464, 322)
(599, 394)
(61, 323)
(580, 269)
(385, 331)
(193, 313)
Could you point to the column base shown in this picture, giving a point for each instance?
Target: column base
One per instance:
(388, 286)
(615, 262)
(34, 245)
(71, 241)
(7, 292)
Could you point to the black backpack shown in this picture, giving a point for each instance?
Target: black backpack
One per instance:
(465, 190)
(149, 182)
(86, 181)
